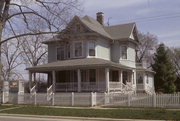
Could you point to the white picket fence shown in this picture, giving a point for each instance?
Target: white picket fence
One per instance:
(93, 99)
(0, 98)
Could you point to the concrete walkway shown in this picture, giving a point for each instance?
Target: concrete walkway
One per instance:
(17, 117)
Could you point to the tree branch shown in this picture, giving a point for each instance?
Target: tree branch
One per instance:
(28, 34)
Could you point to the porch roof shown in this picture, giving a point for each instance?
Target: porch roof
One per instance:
(75, 64)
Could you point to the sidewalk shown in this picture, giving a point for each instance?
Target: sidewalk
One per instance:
(71, 118)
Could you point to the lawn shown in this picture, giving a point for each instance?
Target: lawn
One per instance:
(140, 113)
(6, 106)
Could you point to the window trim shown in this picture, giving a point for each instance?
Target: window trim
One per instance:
(74, 49)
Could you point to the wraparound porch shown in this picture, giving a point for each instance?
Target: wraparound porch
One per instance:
(97, 75)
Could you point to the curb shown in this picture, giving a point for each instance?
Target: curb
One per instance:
(75, 118)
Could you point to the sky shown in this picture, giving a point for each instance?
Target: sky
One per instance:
(158, 17)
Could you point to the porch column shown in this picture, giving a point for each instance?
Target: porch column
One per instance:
(120, 77)
(107, 79)
(54, 80)
(79, 79)
(30, 80)
(132, 77)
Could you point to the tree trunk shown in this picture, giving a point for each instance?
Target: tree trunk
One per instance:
(1, 30)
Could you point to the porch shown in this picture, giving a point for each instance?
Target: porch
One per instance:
(91, 78)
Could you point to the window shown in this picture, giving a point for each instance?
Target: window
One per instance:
(147, 80)
(78, 49)
(92, 75)
(68, 51)
(140, 79)
(92, 49)
(60, 53)
(124, 52)
(114, 76)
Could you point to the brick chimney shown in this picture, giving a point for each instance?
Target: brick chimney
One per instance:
(100, 17)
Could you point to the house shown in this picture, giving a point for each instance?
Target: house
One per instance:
(89, 56)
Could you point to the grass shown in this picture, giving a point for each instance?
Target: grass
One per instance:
(6, 106)
(126, 113)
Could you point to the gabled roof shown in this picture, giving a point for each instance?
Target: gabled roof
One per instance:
(76, 63)
(94, 26)
(116, 32)
(120, 31)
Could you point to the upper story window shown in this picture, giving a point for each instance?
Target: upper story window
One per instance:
(78, 49)
(60, 53)
(124, 52)
(92, 49)
(68, 51)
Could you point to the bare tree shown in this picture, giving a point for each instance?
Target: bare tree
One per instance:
(146, 48)
(10, 56)
(175, 56)
(16, 17)
(34, 52)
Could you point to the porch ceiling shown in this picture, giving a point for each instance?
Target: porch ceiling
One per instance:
(76, 64)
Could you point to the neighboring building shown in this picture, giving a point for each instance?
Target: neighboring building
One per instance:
(88, 56)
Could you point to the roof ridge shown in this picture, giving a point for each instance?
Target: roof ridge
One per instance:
(120, 24)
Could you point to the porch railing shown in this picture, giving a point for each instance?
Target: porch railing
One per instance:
(93, 86)
(85, 86)
(118, 86)
(115, 86)
(67, 87)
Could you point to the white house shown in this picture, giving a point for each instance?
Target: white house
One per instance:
(89, 56)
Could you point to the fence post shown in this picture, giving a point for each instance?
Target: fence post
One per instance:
(129, 100)
(93, 99)
(35, 99)
(53, 99)
(106, 98)
(72, 98)
(5, 94)
(154, 100)
(20, 98)
(95, 96)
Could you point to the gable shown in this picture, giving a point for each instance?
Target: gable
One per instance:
(134, 35)
(75, 27)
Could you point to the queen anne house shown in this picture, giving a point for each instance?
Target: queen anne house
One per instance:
(88, 56)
